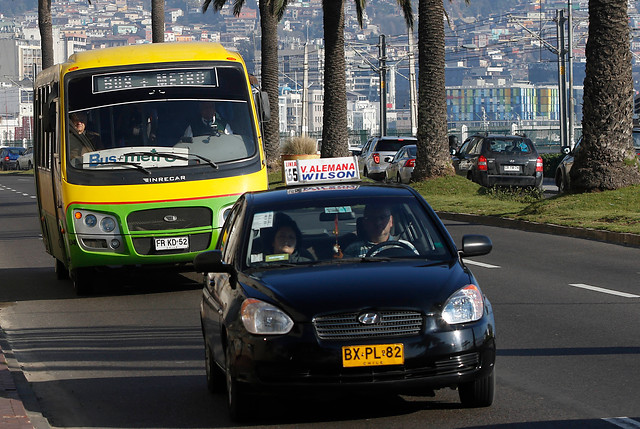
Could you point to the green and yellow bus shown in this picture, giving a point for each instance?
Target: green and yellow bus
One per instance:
(139, 153)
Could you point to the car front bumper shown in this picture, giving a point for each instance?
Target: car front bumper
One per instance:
(433, 360)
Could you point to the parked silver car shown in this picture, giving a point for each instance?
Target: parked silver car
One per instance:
(377, 152)
(25, 161)
(401, 165)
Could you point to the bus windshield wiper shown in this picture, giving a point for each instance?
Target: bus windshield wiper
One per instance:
(172, 155)
(106, 164)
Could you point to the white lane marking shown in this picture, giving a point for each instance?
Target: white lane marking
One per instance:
(609, 291)
(479, 264)
(623, 422)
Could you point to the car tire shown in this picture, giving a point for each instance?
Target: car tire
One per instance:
(398, 178)
(478, 393)
(62, 273)
(216, 380)
(237, 400)
(81, 279)
(365, 173)
(29, 165)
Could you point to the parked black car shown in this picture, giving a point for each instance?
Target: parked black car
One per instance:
(404, 316)
(499, 160)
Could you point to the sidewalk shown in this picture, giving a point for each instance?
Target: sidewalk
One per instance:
(12, 412)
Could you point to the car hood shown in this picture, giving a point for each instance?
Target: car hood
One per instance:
(308, 291)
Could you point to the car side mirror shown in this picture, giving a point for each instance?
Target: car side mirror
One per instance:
(566, 150)
(211, 262)
(388, 158)
(453, 151)
(475, 245)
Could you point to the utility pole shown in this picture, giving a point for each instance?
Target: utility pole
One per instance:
(562, 81)
(412, 87)
(305, 92)
(382, 61)
(570, 99)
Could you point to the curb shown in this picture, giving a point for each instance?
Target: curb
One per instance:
(12, 411)
(624, 239)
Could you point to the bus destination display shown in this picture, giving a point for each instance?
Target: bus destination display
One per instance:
(153, 79)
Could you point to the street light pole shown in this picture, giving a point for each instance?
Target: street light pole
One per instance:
(412, 87)
(382, 61)
(570, 99)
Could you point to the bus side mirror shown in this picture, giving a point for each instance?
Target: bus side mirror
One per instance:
(261, 99)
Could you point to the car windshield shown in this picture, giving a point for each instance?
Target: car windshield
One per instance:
(510, 146)
(339, 230)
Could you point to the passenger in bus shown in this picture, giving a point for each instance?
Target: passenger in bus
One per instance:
(209, 123)
(81, 141)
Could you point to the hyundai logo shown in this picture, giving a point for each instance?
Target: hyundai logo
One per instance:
(369, 318)
(170, 218)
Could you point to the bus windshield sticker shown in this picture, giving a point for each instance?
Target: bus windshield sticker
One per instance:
(152, 157)
(154, 78)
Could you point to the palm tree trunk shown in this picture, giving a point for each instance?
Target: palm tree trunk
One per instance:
(433, 158)
(157, 21)
(606, 159)
(269, 72)
(335, 134)
(46, 32)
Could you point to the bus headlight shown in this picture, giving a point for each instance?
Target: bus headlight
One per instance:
(90, 220)
(107, 224)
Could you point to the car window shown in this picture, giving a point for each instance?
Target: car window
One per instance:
(509, 146)
(390, 145)
(326, 231)
(636, 139)
(476, 146)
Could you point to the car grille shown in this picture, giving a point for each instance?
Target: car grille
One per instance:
(452, 366)
(182, 217)
(346, 326)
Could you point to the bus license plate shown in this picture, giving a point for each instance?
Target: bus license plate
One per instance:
(172, 243)
(373, 355)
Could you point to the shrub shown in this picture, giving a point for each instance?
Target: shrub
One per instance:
(300, 146)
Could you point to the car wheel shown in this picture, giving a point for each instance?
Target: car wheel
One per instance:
(81, 278)
(365, 172)
(29, 165)
(216, 380)
(478, 393)
(237, 400)
(61, 271)
(398, 178)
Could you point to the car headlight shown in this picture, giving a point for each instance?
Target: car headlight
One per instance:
(466, 305)
(262, 318)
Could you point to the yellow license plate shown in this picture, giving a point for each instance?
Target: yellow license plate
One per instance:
(373, 355)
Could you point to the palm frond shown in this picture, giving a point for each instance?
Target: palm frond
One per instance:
(407, 11)
(237, 7)
(360, 4)
(205, 5)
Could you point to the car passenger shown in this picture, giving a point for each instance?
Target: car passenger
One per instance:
(285, 241)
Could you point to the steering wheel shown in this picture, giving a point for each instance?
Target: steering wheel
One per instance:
(391, 244)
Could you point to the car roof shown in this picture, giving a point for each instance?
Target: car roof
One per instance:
(329, 191)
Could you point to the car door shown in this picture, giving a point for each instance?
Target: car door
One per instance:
(463, 161)
(394, 165)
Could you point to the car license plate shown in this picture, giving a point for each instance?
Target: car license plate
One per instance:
(172, 243)
(373, 355)
(511, 168)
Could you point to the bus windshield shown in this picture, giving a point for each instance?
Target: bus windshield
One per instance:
(159, 119)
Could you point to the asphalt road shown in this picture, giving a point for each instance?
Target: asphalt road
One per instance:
(131, 356)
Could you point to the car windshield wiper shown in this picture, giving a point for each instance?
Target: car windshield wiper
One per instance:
(173, 155)
(106, 164)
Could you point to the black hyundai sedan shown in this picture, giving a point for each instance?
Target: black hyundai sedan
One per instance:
(347, 286)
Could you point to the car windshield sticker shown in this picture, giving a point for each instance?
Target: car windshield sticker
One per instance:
(277, 257)
(345, 209)
(256, 258)
(262, 220)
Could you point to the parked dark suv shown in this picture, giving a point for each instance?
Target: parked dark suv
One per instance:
(9, 157)
(499, 160)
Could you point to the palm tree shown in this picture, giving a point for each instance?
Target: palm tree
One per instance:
(335, 133)
(157, 21)
(433, 158)
(606, 159)
(46, 32)
(270, 14)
